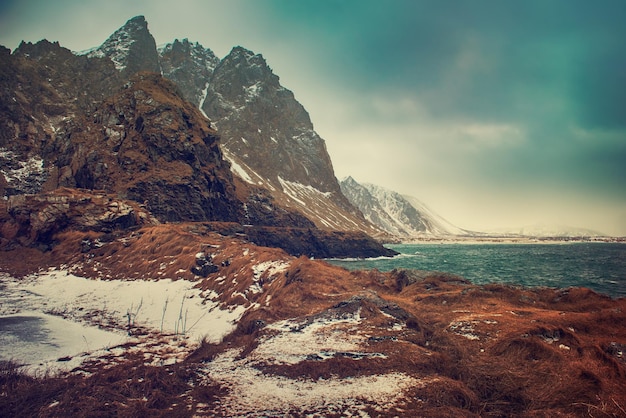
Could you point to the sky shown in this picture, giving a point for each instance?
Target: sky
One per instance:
(496, 114)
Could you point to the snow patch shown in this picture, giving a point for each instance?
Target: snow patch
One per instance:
(253, 91)
(236, 168)
(203, 97)
(290, 341)
(163, 307)
(254, 392)
(27, 176)
(299, 191)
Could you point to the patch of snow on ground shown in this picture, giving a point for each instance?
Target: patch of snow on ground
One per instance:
(158, 307)
(252, 391)
(290, 342)
(464, 329)
(269, 269)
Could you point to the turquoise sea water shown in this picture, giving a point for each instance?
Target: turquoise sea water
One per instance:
(598, 266)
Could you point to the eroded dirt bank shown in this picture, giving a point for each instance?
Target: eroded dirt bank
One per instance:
(310, 338)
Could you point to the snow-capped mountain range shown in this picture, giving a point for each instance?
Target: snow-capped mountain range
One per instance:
(544, 230)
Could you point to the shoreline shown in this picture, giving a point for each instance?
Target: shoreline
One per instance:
(509, 240)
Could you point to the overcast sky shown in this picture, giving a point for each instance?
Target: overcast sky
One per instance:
(494, 113)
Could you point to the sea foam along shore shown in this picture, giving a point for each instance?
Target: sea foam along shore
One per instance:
(72, 309)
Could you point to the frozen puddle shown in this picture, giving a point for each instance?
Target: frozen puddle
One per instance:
(56, 315)
(39, 340)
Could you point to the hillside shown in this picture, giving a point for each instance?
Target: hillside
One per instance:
(216, 326)
(402, 216)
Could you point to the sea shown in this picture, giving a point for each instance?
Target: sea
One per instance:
(599, 266)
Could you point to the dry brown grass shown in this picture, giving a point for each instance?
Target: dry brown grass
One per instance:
(128, 390)
(532, 352)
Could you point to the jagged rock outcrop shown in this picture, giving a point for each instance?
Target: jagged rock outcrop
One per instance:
(149, 145)
(131, 48)
(34, 220)
(190, 66)
(402, 216)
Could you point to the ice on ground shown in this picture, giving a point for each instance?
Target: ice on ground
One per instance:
(122, 307)
(47, 342)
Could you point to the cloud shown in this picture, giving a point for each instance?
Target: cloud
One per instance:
(476, 107)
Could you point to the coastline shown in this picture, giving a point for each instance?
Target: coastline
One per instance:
(494, 239)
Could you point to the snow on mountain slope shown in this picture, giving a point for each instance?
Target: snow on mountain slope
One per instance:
(131, 48)
(443, 225)
(403, 216)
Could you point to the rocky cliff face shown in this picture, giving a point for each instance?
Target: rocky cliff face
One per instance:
(44, 88)
(149, 145)
(91, 121)
(399, 215)
(190, 66)
(266, 134)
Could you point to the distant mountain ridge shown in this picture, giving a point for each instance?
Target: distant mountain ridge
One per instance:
(547, 231)
(401, 216)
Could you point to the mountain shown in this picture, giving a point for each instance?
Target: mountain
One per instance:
(267, 135)
(106, 120)
(402, 216)
(131, 48)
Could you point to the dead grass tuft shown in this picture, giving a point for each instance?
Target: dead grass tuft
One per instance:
(448, 393)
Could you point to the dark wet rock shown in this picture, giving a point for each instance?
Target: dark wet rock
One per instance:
(204, 265)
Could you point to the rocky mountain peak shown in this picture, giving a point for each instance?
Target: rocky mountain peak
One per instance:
(242, 78)
(38, 50)
(131, 48)
(269, 139)
(264, 126)
(191, 66)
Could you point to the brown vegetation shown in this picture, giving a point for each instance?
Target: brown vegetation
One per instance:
(490, 350)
